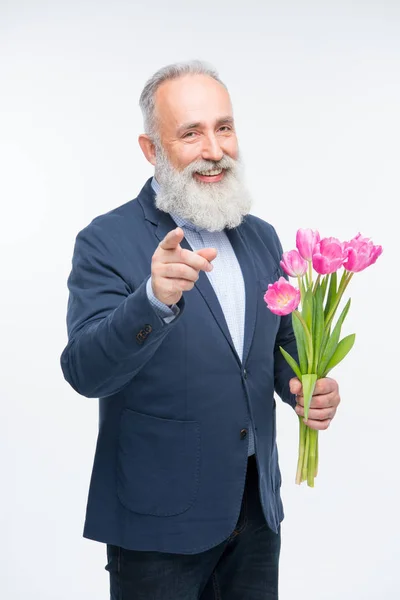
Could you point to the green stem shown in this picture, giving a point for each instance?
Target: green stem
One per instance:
(302, 435)
(324, 286)
(310, 272)
(344, 282)
(301, 288)
(309, 344)
(306, 454)
(316, 283)
(313, 435)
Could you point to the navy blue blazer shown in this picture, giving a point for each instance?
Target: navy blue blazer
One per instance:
(175, 399)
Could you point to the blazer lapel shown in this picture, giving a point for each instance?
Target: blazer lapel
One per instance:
(207, 291)
(243, 254)
(164, 223)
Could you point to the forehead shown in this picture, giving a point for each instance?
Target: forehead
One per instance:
(192, 98)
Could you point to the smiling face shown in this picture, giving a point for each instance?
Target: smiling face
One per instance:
(195, 153)
(195, 122)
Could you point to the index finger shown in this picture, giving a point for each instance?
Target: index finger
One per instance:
(172, 239)
(194, 260)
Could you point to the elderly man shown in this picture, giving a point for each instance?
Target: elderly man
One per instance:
(167, 326)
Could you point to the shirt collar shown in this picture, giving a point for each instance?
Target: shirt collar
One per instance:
(178, 220)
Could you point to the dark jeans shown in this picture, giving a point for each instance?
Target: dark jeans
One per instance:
(244, 567)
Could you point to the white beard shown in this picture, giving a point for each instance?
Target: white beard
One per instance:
(210, 206)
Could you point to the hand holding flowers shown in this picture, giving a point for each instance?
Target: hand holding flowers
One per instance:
(317, 336)
(323, 405)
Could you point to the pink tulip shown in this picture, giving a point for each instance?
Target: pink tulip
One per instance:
(306, 240)
(281, 297)
(361, 253)
(329, 255)
(293, 264)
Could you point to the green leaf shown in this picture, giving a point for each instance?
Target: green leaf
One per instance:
(308, 381)
(318, 326)
(291, 362)
(317, 283)
(342, 286)
(342, 349)
(324, 285)
(302, 287)
(324, 341)
(333, 340)
(306, 338)
(300, 342)
(332, 291)
(307, 309)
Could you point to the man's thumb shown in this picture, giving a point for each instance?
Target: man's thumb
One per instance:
(295, 385)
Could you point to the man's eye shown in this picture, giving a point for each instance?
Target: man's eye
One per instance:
(190, 134)
(225, 128)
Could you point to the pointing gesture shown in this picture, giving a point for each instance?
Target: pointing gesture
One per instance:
(175, 270)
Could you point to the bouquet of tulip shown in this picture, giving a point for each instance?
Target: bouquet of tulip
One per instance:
(318, 342)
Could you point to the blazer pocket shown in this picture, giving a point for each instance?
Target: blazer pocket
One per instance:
(158, 464)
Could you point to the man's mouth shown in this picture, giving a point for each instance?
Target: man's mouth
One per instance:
(210, 176)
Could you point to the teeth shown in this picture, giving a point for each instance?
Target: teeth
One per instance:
(210, 173)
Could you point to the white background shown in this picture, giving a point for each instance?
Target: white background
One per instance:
(316, 92)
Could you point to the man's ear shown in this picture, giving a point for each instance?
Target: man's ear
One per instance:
(148, 148)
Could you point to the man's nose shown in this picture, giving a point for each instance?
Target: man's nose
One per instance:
(211, 149)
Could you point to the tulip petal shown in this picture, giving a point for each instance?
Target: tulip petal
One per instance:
(281, 297)
(306, 240)
(361, 253)
(293, 264)
(329, 255)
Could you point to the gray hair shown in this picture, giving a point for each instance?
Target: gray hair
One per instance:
(173, 71)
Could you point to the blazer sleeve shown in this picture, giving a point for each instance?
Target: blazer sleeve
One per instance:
(282, 371)
(285, 338)
(113, 329)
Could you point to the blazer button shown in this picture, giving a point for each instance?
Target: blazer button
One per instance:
(244, 373)
(243, 434)
(143, 333)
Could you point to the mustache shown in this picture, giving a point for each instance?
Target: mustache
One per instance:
(226, 163)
